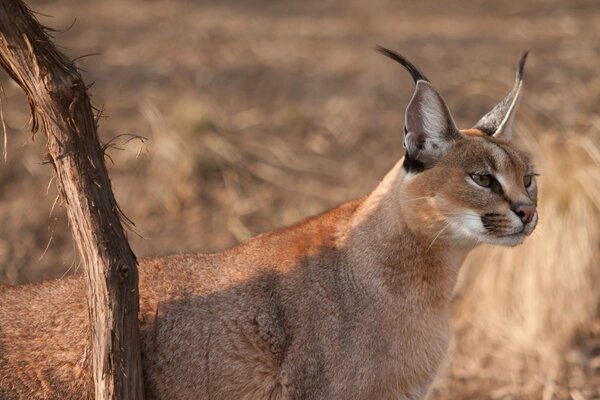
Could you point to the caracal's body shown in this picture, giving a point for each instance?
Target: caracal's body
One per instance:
(351, 304)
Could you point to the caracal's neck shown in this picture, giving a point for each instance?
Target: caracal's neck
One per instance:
(386, 252)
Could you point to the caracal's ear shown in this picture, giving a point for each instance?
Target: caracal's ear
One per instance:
(429, 128)
(498, 122)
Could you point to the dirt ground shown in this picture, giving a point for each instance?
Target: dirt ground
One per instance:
(255, 114)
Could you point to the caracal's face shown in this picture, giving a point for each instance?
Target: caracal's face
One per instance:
(483, 190)
(465, 187)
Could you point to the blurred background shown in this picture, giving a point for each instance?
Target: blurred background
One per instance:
(255, 114)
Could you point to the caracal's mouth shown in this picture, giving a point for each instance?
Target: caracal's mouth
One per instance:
(513, 238)
(471, 228)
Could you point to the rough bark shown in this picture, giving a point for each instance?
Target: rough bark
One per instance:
(60, 105)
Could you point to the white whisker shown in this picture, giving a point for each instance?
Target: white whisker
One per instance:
(438, 235)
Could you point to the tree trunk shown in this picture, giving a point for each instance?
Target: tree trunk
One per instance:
(59, 102)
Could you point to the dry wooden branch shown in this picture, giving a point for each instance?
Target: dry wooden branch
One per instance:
(59, 103)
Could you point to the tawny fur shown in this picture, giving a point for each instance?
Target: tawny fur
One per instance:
(350, 304)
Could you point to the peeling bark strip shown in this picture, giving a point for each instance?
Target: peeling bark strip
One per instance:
(59, 103)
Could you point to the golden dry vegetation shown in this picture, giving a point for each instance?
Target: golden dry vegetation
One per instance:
(259, 113)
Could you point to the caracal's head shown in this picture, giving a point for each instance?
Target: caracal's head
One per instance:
(465, 186)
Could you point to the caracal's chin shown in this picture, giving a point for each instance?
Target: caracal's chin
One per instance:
(506, 240)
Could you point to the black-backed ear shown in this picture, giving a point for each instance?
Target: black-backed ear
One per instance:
(498, 122)
(429, 128)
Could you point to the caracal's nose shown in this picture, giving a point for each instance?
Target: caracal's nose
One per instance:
(525, 212)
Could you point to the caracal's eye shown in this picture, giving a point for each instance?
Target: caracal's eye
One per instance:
(527, 180)
(483, 180)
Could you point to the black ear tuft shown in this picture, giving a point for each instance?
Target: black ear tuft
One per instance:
(521, 67)
(414, 71)
(498, 122)
(429, 129)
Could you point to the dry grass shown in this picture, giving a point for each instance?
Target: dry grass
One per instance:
(260, 113)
